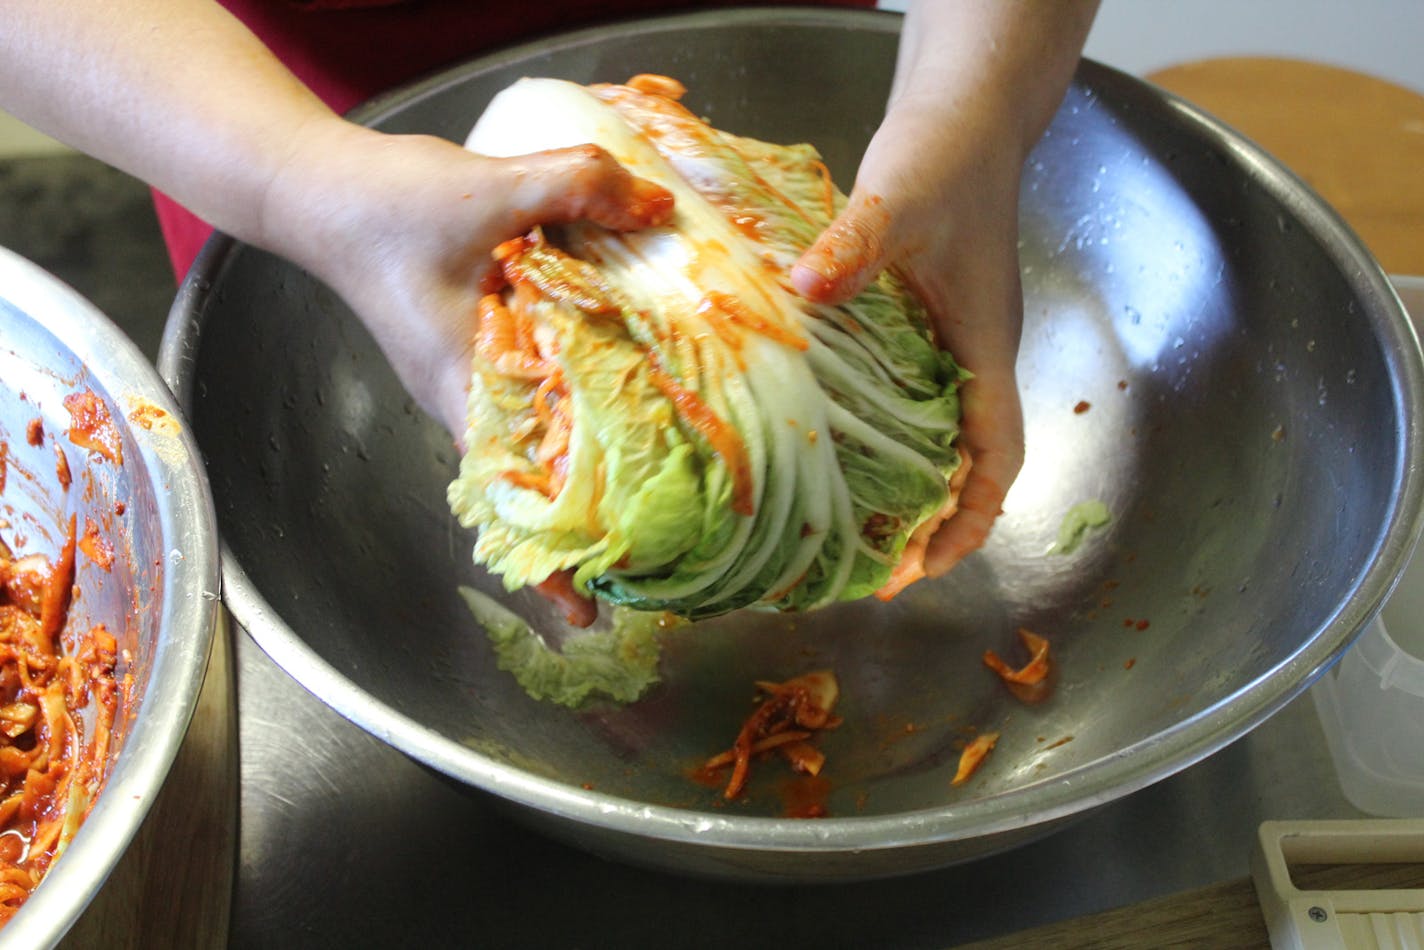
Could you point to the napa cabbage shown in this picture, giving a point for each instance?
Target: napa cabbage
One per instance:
(658, 412)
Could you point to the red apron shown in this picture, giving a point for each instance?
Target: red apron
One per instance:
(346, 51)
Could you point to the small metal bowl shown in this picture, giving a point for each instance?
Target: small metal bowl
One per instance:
(159, 597)
(1207, 350)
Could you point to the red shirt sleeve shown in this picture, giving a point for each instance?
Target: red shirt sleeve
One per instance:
(346, 51)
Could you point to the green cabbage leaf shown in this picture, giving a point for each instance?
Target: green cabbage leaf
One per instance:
(618, 664)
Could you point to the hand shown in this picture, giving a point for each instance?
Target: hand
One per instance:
(938, 201)
(180, 94)
(402, 228)
(936, 197)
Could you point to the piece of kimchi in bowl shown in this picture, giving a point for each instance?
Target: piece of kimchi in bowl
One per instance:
(107, 598)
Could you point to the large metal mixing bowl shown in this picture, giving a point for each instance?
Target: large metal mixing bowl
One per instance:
(1252, 384)
(159, 598)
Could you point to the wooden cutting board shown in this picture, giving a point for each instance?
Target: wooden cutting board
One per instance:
(1222, 915)
(173, 887)
(1358, 141)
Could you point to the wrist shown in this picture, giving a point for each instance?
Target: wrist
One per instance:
(998, 67)
(305, 213)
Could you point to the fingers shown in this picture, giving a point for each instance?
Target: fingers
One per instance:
(980, 504)
(993, 434)
(584, 183)
(960, 537)
(558, 588)
(972, 290)
(847, 255)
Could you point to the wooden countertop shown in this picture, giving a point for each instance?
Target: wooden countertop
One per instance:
(1222, 915)
(1356, 140)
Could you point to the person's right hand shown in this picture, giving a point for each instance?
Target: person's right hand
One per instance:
(936, 197)
(402, 228)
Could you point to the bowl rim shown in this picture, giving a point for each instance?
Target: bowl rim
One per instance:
(1039, 803)
(189, 602)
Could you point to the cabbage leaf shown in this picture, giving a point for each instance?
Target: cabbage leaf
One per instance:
(618, 664)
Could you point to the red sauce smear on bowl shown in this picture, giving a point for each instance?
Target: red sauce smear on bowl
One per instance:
(96, 547)
(91, 427)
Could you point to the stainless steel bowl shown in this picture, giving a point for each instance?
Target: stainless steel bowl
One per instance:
(159, 597)
(1253, 427)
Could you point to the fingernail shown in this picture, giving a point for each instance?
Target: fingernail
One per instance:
(815, 276)
(809, 282)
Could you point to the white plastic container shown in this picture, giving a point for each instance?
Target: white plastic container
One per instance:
(1372, 703)
(1372, 708)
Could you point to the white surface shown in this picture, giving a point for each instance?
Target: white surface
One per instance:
(1379, 37)
(19, 140)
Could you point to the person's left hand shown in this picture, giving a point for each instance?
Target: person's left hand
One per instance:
(403, 228)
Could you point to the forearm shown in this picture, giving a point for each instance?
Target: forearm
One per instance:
(175, 92)
(991, 66)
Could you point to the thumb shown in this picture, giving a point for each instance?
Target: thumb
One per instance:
(584, 183)
(848, 254)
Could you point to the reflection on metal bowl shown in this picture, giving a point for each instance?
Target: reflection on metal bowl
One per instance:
(157, 595)
(1206, 350)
